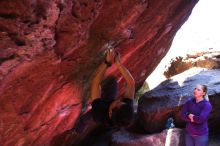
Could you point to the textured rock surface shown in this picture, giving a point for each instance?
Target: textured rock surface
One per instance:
(166, 100)
(209, 59)
(171, 137)
(49, 50)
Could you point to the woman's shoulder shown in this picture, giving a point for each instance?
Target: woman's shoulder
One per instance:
(207, 103)
(127, 100)
(101, 101)
(190, 100)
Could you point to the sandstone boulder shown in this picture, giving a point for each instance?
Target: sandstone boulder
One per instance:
(207, 59)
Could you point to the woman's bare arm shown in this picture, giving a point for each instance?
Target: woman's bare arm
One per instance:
(130, 83)
(95, 86)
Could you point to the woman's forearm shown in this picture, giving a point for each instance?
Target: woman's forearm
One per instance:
(125, 73)
(95, 86)
(130, 88)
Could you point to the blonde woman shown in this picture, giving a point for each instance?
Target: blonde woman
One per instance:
(196, 112)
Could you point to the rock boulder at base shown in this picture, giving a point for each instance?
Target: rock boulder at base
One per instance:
(170, 137)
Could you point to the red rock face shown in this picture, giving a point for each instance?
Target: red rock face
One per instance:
(50, 49)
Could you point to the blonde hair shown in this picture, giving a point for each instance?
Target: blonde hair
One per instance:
(206, 97)
(205, 88)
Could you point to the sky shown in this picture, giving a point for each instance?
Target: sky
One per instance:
(202, 29)
(200, 32)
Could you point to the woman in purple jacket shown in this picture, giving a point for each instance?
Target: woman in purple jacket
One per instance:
(196, 112)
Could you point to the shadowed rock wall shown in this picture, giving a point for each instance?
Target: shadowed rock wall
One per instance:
(50, 49)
